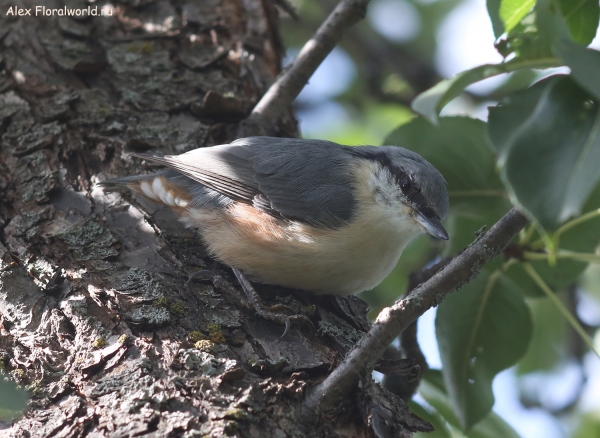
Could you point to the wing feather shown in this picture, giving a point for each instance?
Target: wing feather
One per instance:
(227, 186)
(303, 180)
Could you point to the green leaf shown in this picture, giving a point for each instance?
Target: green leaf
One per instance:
(467, 217)
(582, 19)
(583, 238)
(518, 80)
(526, 43)
(12, 400)
(550, 23)
(441, 429)
(481, 330)
(493, 8)
(459, 148)
(548, 342)
(533, 36)
(584, 64)
(432, 389)
(588, 425)
(430, 102)
(590, 282)
(513, 11)
(525, 40)
(492, 426)
(548, 144)
(521, 281)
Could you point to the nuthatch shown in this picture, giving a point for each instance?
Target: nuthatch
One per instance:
(305, 214)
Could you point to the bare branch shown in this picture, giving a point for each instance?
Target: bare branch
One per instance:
(290, 83)
(394, 319)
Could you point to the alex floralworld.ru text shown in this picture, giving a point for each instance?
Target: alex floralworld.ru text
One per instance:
(60, 12)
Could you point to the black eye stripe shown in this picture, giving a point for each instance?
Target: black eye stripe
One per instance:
(415, 196)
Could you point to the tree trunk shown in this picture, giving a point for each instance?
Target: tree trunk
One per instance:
(96, 318)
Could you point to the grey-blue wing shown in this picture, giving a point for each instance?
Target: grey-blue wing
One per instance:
(305, 180)
(302, 180)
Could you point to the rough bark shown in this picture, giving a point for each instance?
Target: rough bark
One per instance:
(95, 315)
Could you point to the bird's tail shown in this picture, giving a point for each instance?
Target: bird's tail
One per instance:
(167, 187)
(170, 188)
(127, 182)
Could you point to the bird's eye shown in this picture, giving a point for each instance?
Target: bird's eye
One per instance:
(406, 185)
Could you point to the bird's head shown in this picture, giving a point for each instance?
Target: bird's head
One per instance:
(408, 185)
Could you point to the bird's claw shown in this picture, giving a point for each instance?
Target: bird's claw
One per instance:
(280, 308)
(288, 324)
(272, 313)
(279, 313)
(297, 319)
(281, 318)
(216, 279)
(294, 319)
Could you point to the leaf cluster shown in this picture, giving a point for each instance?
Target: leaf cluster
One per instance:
(538, 151)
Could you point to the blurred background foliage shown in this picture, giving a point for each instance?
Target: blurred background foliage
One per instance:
(534, 313)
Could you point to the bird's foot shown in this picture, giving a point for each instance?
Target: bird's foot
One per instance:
(273, 313)
(279, 313)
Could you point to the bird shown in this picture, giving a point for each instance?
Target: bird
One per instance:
(307, 214)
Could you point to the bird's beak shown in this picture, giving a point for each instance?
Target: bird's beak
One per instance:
(432, 225)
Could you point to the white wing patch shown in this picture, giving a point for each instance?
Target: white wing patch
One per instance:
(162, 192)
(146, 188)
(157, 191)
(180, 202)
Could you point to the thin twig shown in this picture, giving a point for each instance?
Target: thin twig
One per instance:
(393, 320)
(278, 98)
(288, 7)
(561, 307)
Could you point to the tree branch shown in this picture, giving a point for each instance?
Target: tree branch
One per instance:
(290, 83)
(394, 319)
